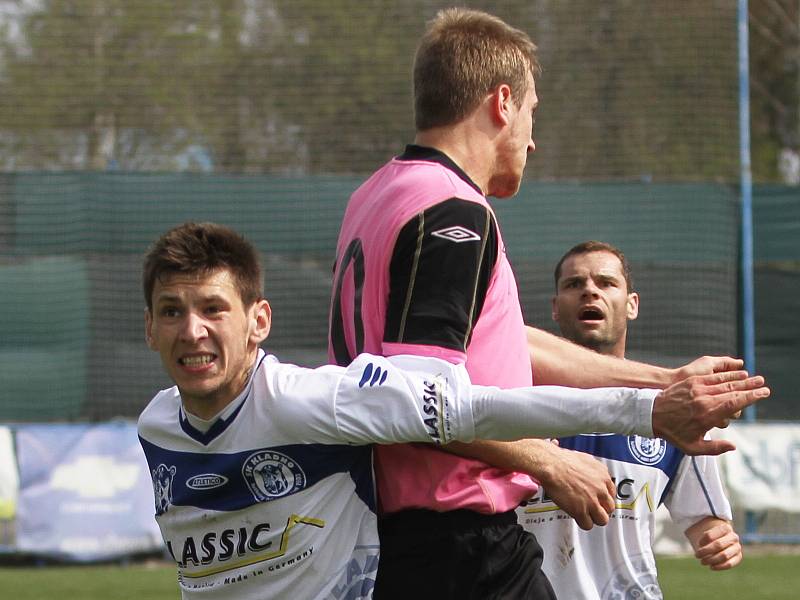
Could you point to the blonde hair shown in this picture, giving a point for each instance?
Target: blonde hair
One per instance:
(464, 55)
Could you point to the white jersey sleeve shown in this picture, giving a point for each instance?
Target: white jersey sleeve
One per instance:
(421, 399)
(373, 400)
(555, 411)
(697, 492)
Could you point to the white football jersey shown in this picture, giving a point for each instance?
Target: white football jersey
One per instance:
(275, 498)
(270, 502)
(617, 561)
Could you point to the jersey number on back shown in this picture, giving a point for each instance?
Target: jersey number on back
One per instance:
(353, 254)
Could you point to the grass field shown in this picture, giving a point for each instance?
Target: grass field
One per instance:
(764, 577)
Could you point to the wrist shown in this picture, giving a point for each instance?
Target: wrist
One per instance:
(672, 376)
(542, 462)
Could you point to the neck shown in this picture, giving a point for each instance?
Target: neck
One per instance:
(465, 145)
(207, 406)
(618, 349)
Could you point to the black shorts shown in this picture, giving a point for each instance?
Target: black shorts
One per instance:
(458, 555)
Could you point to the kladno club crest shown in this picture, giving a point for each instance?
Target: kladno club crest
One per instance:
(647, 451)
(271, 475)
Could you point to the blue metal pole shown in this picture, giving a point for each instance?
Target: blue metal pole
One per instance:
(748, 312)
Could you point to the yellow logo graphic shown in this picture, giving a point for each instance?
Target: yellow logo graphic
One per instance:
(625, 501)
(280, 551)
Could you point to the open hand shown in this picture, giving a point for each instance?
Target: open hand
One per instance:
(685, 411)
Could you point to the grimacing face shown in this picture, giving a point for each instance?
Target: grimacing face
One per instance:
(207, 339)
(592, 304)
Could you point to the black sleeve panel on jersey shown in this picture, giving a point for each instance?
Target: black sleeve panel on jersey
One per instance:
(440, 271)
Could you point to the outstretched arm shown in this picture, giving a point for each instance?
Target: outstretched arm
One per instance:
(554, 362)
(681, 414)
(715, 543)
(684, 412)
(411, 398)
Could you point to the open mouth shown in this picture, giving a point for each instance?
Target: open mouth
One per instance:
(197, 361)
(591, 313)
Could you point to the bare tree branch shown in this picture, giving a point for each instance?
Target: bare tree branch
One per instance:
(780, 11)
(763, 30)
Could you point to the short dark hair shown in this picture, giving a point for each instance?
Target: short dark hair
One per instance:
(200, 249)
(595, 246)
(464, 55)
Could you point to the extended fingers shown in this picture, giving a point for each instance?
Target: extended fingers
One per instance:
(725, 363)
(726, 377)
(732, 403)
(708, 447)
(727, 399)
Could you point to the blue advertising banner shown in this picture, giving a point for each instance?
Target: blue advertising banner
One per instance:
(85, 493)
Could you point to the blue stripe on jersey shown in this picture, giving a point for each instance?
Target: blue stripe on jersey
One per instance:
(220, 425)
(618, 447)
(228, 482)
(704, 487)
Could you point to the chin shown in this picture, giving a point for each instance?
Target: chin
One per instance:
(197, 388)
(505, 191)
(594, 342)
(504, 185)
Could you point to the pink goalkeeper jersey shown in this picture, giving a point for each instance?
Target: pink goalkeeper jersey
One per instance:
(421, 268)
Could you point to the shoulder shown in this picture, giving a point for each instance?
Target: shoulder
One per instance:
(160, 413)
(279, 382)
(420, 183)
(439, 178)
(452, 219)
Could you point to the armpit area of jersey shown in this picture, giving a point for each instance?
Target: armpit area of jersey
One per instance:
(440, 270)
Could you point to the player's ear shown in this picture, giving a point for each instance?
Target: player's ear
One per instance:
(632, 306)
(148, 329)
(554, 309)
(260, 321)
(501, 104)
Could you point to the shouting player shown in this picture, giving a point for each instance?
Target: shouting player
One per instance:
(593, 303)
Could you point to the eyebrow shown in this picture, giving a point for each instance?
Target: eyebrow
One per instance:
(175, 298)
(162, 298)
(571, 278)
(610, 276)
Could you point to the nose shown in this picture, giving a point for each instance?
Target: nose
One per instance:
(531, 145)
(590, 289)
(193, 328)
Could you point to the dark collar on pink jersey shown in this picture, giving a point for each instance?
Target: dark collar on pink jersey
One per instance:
(414, 152)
